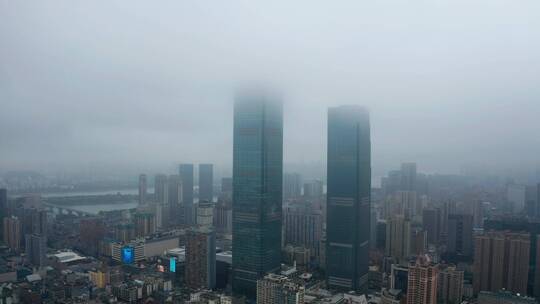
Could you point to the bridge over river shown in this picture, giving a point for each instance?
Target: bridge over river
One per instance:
(58, 209)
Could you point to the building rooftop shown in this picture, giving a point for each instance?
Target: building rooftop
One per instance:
(275, 277)
(180, 254)
(225, 256)
(68, 256)
(33, 278)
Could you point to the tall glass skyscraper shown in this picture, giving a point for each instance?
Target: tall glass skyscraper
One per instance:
(257, 189)
(186, 176)
(348, 198)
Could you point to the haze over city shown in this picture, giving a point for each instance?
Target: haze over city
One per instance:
(133, 86)
(278, 152)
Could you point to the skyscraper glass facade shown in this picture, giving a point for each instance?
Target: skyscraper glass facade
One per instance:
(257, 189)
(348, 198)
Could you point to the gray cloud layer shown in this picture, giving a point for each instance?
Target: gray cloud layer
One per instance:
(150, 83)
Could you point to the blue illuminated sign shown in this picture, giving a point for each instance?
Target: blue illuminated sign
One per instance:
(172, 265)
(128, 255)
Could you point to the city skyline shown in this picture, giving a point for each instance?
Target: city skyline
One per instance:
(240, 152)
(327, 236)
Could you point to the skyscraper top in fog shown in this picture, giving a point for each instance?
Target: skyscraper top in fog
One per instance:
(257, 189)
(348, 198)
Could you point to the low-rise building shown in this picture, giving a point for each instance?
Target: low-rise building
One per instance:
(392, 296)
(279, 289)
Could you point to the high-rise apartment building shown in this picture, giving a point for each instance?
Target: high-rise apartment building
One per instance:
(422, 282)
(160, 204)
(142, 189)
(34, 220)
(348, 198)
(398, 237)
(407, 200)
(145, 224)
(206, 182)
(381, 235)
(174, 211)
(448, 208)
(501, 261)
(257, 189)
(522, 225)
(200, 267)
(36, 248)
(205, 214)
(391, 207)
(303, 227)
(403, 203)
(12, 232)
(460, 234)
(39, 220)
(124, 232)
(91, 230)
(450, 290)
(431, 224)
(99, 278)
(418, 241)
(292, 186)
(186, 176)
(161, 190)
(174, 190)
(223, 216)
(274, 289)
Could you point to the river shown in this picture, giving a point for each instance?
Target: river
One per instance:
(96, 208)
(133, 191)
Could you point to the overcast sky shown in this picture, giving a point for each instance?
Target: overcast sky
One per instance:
(147, 84)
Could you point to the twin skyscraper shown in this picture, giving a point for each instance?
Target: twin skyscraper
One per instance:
(257, 193)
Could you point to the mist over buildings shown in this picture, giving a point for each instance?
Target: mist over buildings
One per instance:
(134, 85)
